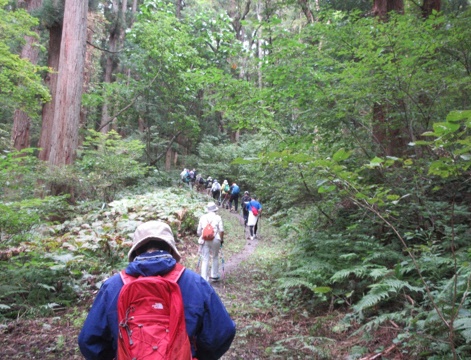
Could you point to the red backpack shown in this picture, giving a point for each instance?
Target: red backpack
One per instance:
(152, 319)
(208, 232)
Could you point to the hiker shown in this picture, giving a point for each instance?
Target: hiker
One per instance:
(192, 175)
(254, 215)
(208, 325)
(200, 182)
(210, 247)
(244, 202)
(209, 185)
(216, 191)
(185, 176)
(225, 194)
(235, 192)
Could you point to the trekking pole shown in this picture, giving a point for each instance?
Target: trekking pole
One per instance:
(259, 226)
(199, 262)
(222, 262)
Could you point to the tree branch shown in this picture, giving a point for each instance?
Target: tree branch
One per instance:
(153, 162)
(101, 49)
(127, 106)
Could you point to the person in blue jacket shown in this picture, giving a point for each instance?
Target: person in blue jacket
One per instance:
(252, 220)
(235, 193)
(209, 326)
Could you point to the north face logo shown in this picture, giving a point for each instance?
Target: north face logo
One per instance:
(158, 306)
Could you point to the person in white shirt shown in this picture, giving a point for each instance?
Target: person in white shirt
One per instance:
(209, 247)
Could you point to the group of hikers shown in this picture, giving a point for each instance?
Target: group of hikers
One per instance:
(156, 308)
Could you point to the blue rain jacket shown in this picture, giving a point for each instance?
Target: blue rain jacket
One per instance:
(209, 326)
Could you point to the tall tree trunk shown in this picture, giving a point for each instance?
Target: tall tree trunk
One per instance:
(110, 65)
(179, 7)
(386, 133)
(21, 122)
(428, 6)
(90, 58)
(55, 36)
(238, 15)
(381, 8)
(306, 10)
(259, 46)
(66, 119)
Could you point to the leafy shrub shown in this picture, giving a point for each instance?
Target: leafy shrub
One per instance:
(30, 284)
(16, 219)
(109, 163)
(19, 174)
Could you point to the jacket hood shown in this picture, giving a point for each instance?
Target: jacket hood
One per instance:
(150, 264)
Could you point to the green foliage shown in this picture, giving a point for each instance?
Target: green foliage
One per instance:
(30, 286)
(109, 163)
(453, 143)
(17, 219)
(19, 173)
(20, 81)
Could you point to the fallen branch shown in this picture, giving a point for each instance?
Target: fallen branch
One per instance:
(381, 354)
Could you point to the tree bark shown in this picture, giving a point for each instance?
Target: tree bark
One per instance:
(66, 119)
(381, 8)
(306, 10)
(428, 6)
(55, 36)
(20, 134)
(105, 124)
(179, 7)
(387, 134)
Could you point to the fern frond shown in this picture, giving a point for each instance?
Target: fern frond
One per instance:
(399, 317)
(383, 255)
(464, 327)
(378, 273)
(384, 290)
(363, 271)
(371, 299)
(286, 283)
(348, 257)
(397, 285)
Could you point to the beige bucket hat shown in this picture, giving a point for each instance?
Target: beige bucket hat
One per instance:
(211, 207)
(152, 230)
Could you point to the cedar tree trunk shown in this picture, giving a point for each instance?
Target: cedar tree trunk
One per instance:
(21, 122)
(66, 119)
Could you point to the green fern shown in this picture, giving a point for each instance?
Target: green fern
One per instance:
(464, 327)
(361, 271)
(371, 299)
(382, 291)
(287, 283)
(398, 317)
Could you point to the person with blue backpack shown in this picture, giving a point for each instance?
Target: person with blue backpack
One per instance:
(205, 329)
(235, 192)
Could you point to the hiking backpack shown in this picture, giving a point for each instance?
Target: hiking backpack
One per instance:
(235, 190)
(227, 188)
(208, 232)
(151, 318)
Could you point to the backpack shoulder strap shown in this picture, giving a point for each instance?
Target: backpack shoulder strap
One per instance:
(126, 277)
(173, 275)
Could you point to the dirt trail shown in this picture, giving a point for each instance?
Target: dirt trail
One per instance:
(55, 338)
(234, 261)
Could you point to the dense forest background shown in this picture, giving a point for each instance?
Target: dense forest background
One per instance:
(349, 119)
